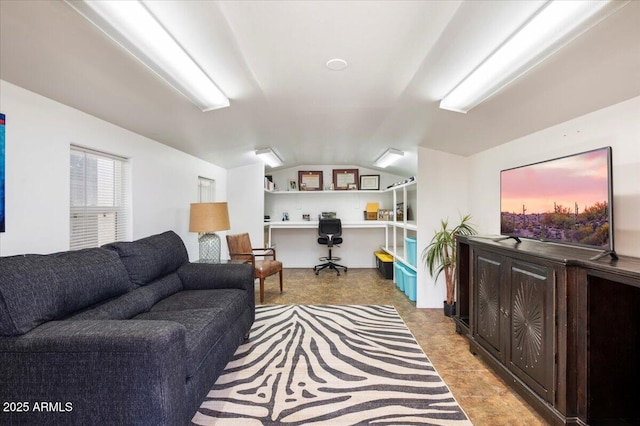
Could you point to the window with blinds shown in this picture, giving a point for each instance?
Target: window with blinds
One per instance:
(100, 211)
(206, 190)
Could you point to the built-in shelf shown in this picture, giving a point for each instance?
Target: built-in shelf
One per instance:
(353, 191)
(348, 201)
(398, 230)
(408, 185)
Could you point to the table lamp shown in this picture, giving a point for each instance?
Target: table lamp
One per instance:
(206, 219)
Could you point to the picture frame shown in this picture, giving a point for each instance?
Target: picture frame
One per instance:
(292, 185)
(310, 180)
(342, 178)
(370, 182)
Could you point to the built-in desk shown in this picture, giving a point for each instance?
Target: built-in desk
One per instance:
(296, 242)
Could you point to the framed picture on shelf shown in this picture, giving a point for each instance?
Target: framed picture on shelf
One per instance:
(292, 185)
(310, 180)
(342, 178)
(370, 182)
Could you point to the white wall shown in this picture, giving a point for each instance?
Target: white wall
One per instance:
(246, 202)
(38, 134)
(442, 194)
(617, 126)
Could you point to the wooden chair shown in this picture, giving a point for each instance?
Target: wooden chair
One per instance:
(240, 250)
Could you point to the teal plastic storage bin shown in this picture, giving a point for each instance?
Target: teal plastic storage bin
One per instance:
(410, 284)
(412, 251)
(399, 275)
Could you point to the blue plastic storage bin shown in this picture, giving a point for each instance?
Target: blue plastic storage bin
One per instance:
(410, 284)
(399, 275)
(412, 253)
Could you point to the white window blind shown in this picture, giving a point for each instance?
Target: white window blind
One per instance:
(100, 211)
(206, 190)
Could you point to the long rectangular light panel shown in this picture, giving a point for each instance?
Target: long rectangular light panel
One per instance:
(131, 25)
(553, 26)
(389, 157)
(269, 157)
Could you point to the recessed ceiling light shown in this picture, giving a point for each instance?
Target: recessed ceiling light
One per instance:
(337, 64)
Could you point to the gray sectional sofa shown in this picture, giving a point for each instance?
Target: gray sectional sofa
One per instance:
(130, 333)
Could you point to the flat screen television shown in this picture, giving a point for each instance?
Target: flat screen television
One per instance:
(565, 200)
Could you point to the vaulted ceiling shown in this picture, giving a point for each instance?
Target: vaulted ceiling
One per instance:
(269, 58)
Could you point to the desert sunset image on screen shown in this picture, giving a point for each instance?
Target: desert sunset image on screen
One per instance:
(565, 200)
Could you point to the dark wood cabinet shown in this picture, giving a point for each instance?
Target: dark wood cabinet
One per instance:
(560, 328)
(513, 321)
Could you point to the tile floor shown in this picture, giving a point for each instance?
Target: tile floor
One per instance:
(484, 396)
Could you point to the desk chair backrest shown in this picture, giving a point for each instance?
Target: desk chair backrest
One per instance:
(330, 231)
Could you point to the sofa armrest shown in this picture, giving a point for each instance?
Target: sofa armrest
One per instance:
(91, 372)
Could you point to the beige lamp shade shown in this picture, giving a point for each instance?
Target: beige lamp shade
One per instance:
(209, 217)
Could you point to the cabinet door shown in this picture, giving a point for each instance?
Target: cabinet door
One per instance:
(488, 328)
(530, 352)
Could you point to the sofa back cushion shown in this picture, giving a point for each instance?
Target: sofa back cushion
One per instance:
(151, 258)
(134, 302)
(35, 288)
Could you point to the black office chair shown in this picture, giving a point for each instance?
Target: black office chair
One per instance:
(329, 231)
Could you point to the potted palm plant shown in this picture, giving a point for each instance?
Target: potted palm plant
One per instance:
(440, 256)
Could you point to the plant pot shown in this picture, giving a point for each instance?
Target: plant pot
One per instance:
(449, 310)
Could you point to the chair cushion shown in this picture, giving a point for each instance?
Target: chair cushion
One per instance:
(325, 240)
(264, 268)
(153, 257)
(35, 288)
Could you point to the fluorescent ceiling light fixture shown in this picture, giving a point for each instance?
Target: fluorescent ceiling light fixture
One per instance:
(388, 157)
(553, 26)
(269, 157)
(132, 25)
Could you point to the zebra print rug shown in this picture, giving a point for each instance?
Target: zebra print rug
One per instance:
(329, 365)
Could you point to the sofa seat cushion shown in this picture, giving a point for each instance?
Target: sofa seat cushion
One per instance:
(232, 299)
(35, 288)
(205, 315)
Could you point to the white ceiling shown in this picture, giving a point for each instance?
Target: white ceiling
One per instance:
(269, 58)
